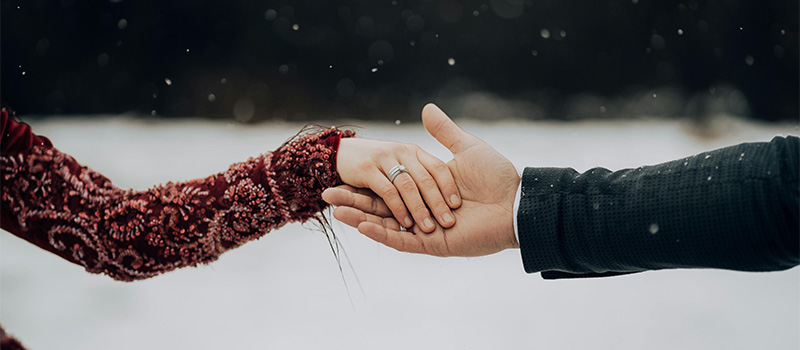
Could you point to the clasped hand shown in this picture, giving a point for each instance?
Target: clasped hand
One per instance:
(479, 184)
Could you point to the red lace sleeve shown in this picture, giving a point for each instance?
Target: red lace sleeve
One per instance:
(54, 202)
(17, 137)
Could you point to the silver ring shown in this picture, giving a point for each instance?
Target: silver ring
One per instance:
(396, 170)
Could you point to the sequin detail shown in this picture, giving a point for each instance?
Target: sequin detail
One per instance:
(78, 214)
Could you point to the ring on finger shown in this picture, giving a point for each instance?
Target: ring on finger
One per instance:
(396, 170)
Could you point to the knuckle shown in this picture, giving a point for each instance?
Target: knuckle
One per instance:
(388, 191)
(405, 184)
(386, 152)
(390, 223)
(419, 209)
(404, 149)
(364, 166)
(440, 207)
(440, 167)
(373, 206)
(380, 152)
(427, 182)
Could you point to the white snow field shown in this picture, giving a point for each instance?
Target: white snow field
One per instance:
(285, 290)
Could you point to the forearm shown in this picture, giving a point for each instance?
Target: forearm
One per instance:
(49, 199)
(734, 208)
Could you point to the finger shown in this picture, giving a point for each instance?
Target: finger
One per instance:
(379, 183)
(410, 193)
(429, 190)
(353, 217)
(444, 130)
(359, 198)
(339, 196)
(444, 178)
(402, 241)
(349, 216)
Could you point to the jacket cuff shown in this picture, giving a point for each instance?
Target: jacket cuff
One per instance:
(540, 232)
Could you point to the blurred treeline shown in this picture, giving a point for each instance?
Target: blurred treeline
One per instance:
(316, 59)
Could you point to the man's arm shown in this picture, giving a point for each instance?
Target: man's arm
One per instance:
(734, 208)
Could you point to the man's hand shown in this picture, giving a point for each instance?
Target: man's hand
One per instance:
(486, 180)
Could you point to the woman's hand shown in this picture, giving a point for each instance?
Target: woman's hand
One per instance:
(487, 182)
(365, 163)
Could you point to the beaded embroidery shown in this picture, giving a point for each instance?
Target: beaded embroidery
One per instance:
(78, 214)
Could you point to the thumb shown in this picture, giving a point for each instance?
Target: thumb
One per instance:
(444, 130)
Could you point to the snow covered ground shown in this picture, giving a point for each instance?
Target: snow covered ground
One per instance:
(285, 291)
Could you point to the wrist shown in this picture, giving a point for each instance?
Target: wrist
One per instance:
(515, 209)
(334, 142)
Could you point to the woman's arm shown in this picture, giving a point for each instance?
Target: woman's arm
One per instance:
(51, 200)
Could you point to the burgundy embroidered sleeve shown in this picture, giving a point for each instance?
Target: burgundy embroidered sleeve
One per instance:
(54, 202)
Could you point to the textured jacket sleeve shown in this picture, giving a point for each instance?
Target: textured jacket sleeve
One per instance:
(734, 208)
(52, 201)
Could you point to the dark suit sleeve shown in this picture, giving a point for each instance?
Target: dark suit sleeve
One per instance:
(734, 208)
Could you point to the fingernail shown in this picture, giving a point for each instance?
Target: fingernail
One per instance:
(428, 223)
(453, 199)
(447, 218)
(407, 222)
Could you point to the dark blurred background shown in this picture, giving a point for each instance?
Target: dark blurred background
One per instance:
(317, 59)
